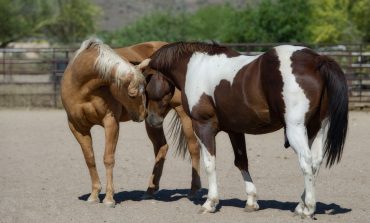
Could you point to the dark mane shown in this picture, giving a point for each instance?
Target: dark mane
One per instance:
(170, 54)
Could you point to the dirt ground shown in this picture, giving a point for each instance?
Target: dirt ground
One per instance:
(43, 177)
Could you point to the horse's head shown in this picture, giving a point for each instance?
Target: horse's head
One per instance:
(130, 92)
(159, 93)
(127, 82)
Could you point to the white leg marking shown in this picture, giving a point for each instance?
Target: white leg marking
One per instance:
(251, 192)
(210, 167)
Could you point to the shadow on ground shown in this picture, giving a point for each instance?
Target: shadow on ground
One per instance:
(177, 194)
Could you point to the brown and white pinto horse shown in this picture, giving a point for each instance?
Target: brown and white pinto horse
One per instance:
(287, 87)
(101, 87)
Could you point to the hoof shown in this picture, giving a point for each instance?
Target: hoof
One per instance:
(204, 210)
(251, 208)
(93, 199)
(303, 212)
(110, 204)
(150, 192)
(299, 209)
(208, 207)
(303, 216)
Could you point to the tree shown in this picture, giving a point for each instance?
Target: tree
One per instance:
(74, 21)
(22, 18)
(279, 21)
(359, 13)
(332, 23)
(211, 23)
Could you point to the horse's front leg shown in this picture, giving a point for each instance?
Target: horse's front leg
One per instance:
(205, 133)
(111, 126)
(156, 135)
(194, 150)
(85, 141)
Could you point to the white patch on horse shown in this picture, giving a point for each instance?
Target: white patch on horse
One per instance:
(296, 102)
(205, 72)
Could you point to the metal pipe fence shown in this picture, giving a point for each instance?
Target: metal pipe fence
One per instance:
(31, 77)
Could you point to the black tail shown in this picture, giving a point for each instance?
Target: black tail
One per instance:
(177, 136)
(337, 93)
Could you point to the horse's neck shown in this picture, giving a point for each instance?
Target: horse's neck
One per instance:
(177, 78)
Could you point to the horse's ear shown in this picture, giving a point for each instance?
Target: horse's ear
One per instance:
(144, 64)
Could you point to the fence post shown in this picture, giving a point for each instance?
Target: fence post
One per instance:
(54, 79)
(360, 80)
(4, 73)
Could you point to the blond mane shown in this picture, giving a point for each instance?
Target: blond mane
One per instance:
(108, 61)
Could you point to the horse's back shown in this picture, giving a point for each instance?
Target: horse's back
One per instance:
(139, 52)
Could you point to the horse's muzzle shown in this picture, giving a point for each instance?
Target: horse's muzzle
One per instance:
(137, 117)
(154, 120)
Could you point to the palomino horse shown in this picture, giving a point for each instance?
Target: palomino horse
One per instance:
(100, 87)
(287, 87)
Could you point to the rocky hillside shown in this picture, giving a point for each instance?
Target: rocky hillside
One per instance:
(118, 13)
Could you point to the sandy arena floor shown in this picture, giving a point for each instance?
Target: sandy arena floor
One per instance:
(43, 177)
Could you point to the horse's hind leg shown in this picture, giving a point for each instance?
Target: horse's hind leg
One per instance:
(194, 150)
(316, 143)
(111, 126)
(156, 135)
(317, 149)
(297, 136)
(85, 141)
(241, 161)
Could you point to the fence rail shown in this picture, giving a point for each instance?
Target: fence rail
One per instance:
(31, 77)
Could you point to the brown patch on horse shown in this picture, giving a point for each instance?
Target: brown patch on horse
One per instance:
(272, 85)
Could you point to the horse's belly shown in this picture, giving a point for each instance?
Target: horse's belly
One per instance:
(263, 129)
(250, 121)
